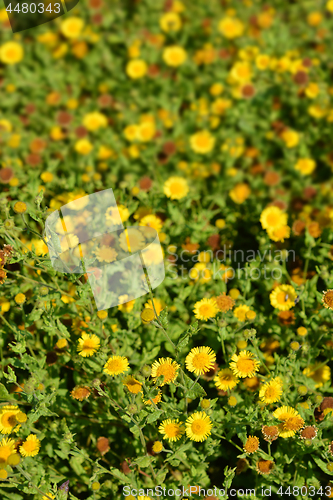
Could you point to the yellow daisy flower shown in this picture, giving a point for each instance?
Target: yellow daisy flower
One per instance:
(283, 297)
(225, 379)
(88, 345)
(171, 429)
(200, 360)
(30, 447)
(205, 308)
(198, 426)
(271, 391)
(116, 365)
(7, 448)
(133, 385)
(166, 367)
(176, 188)
(291, 421)
(8, 419)
(273, 218)
(244, 364)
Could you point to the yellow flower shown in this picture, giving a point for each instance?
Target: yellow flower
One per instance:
(225, 380)
(240, 193)
(262, 61)
(171, 430)
(106, 254)
(205, 308)
(7, 448)
(174, 55)
(279, 233)
(244, 364)
(20, 298)
(291, 421)
(290, 138)
(241, 72)
(46, 177)
(176, 188)
(83, 146)
(329, 6)
(11, 53)
(314, 18)
(271, 391)
(112, 214)
(131, 132)
(200, 360)
(8, 419)
(158, 304)
(20, 207)
(157, 447)
(125, 306)
(30, 447)
(216, 89)
(165, 367)
(202, 142)
(72, 27)
(319, 373)
(116, 365)
(283, 297)
(136, 68)
(273, 218)
(305, 165)
(152, 221)
(95, 120)
(133, 385)
(88, 345)
(312, 90)
(231, 27)
(198, 426)
(240, 312)
(170, 21)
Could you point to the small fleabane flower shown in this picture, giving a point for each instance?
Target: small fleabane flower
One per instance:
(30, 446)
(166, 367)
(198, 426)
(88, 345)
(205, 309)
(225, 379)
(271, 391)
(265, 467)
(102, 314)
(20, 298)
(80, 393)
(244, 364)
(200, 360)
(327, 299)
(20, 207)
(133, 385)
(251, 445)
(171, 429)
(157, 447)
(116, 365)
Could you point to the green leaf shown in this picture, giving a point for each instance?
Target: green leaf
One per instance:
(322, 465)
(4, 394)
(185, 337)
(154, 416)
